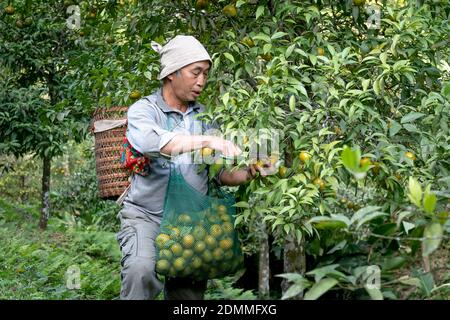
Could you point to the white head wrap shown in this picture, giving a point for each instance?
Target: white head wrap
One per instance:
(178, 53)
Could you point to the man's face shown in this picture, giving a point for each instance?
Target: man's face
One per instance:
(190, 81)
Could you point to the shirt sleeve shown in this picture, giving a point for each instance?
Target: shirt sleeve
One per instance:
(144, 133)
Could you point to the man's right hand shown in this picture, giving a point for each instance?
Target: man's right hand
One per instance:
(226, 147)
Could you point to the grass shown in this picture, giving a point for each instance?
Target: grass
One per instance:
(38, 264)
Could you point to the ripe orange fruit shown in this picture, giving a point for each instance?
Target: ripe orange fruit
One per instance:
(226, 243)
(249, 42)
(201, 4)
(188, 241)
(199, 246)
(199, 233)
(282, 170)
(161, 240)
(221, 209)
(20, 24)
(196, 262)
(230, 10)
(184, 219)
(135, 94)
(10, 10)
(176, 249)
(210, 242)
(175, 232)
(225, 217)
(179, 264)
(207, 256)
(216, 230)
(92, 15)
(206, 152)
(376, 168)
(227, 227)
(187, 254)
(162, 266)
(218, 254)
(320, 183)
(365, 161)
(359, 3)
(304, 156)
(266, 56)
(410, 155)
(165, 254)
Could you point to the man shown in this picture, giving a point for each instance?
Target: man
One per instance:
(161, 126)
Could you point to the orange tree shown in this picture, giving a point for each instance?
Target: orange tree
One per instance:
(37, 113)
(359, 95)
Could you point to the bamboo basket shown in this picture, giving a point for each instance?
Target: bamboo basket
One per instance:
(113, 179)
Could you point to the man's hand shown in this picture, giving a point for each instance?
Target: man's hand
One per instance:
(264, 167)
(226, 147)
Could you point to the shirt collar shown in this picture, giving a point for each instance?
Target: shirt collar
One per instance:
(165, 108)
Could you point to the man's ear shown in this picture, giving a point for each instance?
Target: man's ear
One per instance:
(170, 76)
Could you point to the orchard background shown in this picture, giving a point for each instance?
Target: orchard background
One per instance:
(359, 91)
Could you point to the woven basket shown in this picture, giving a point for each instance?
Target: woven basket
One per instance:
(112, 178)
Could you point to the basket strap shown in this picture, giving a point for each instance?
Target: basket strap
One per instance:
(104, 125)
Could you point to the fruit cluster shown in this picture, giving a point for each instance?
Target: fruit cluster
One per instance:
(203, 246)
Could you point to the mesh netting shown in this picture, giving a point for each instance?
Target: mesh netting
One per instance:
(197, 237)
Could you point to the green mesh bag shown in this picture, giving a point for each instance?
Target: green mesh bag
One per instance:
(197, 238)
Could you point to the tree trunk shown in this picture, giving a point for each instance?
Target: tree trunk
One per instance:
(294, 262)
(45, 210)
(264, 264)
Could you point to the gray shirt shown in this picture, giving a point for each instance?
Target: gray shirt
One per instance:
(151, 125)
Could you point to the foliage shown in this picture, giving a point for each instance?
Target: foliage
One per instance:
(369, 106)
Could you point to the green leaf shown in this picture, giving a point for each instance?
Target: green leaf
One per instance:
(320, 288)
(365, 84)
(376, 87)
(229, 56)
(395, 127)
(411, 117)
(429, 202)
(393, 263)
(415, 192)
(259, 11)
(292, 103)
(350, 158)
(242, 204)
(226, 98)
(320, 273)
(394, 44)
(361, 213)
(433, 237)
(383, 57)
(278, 35)
(374, 293)
(293, 290)
(262, 36)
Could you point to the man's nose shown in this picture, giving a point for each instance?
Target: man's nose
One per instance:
(201, 80)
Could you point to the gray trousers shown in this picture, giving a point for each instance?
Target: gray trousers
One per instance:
(139, 281)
